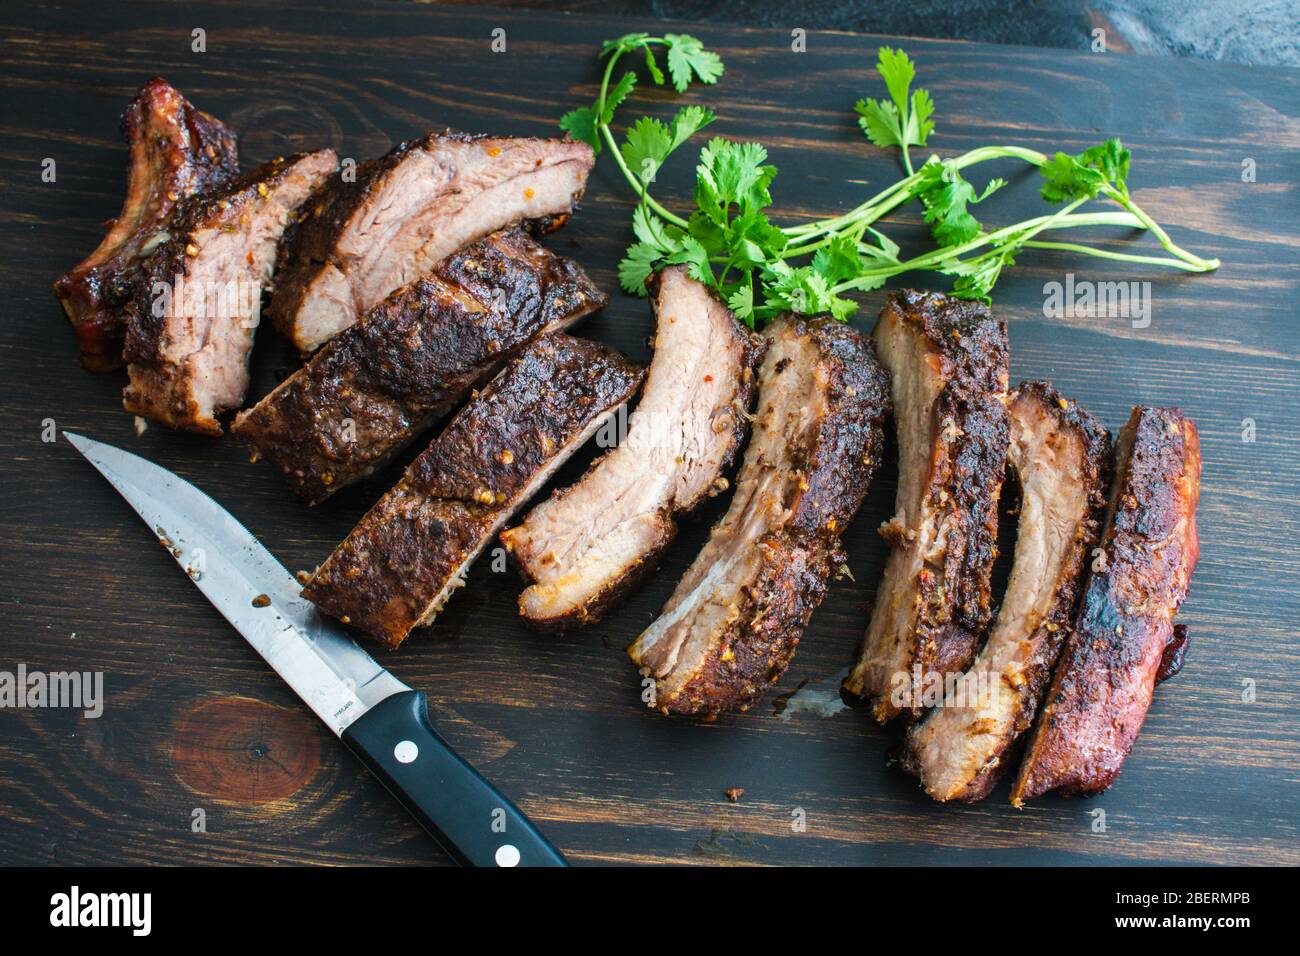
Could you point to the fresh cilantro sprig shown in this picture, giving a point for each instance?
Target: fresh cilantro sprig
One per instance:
(729, 243)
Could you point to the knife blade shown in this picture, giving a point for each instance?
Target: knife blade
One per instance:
(382, 720)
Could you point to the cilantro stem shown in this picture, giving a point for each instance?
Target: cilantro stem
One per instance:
(903, 190)
(1109, 254)
(1020, 234)
(1198, 264)
(608, 135)
(644, 194)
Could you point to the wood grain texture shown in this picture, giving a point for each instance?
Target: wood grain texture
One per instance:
(557, 722)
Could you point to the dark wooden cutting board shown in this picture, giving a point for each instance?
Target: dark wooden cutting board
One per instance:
(193, 718)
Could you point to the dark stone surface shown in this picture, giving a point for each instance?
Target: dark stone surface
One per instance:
(1261, 32)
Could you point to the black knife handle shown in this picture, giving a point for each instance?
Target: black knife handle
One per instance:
(469, 817)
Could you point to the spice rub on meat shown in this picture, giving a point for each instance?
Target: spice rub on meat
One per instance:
(377, 385)
(948, 360)
(1061, 456)
(588, 545)
(1104, 680)
(409, 209)
(732, 625)
(199, 300)
(176, 152)
(406, 556)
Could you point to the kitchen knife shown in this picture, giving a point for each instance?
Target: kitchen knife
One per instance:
(382, 721)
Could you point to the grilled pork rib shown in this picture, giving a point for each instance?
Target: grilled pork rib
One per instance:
(409, 209)
(376, 386)
(589, 544)
(948, 362)
(732, 625)
(200, 296)
(1103, 683)
(406, 556)
(1061, 455)
(176, 152)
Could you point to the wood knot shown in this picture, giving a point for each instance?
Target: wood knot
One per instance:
(270, 127)
(245, 751)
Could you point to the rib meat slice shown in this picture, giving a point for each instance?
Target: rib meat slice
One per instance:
(948, 362)
(732, 625)
(200, 296)
(375, 386)
(409, 209)
(1103, 683)
(402, 561)
(176, 151)
(590, 544)
(1061, 455)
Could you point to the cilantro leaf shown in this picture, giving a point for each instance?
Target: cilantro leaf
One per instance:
(904, 119)
(945, 196)
(879, 120)
(975, 279)
(804, 290)
(649, 142)
(919, 123)
(581, 124)
(1067, 178)
(741, 302)
(686, 55)
(1111, 158)
(898, 72)
(653, 231)
(657, 240)
(732, 174)
(689, 121)
(696, 259)
(652, 65)
(637, 266)
(615, 97)
(647, 146)
(838, 260)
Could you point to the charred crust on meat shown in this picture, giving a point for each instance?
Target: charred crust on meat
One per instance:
(1171, 662)
(821, 478)
(375, 386)
(176, 151)
(1104, 680)
(401, 562)
(966, 350)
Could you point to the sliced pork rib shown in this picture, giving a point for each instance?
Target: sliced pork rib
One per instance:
(409, 209)
(1103, 683)
(588, 545)
(176, 152)
(1061, 455)
(406, 556)
(200, 296)
(948, 362)
(732, 625)
(377, 385)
